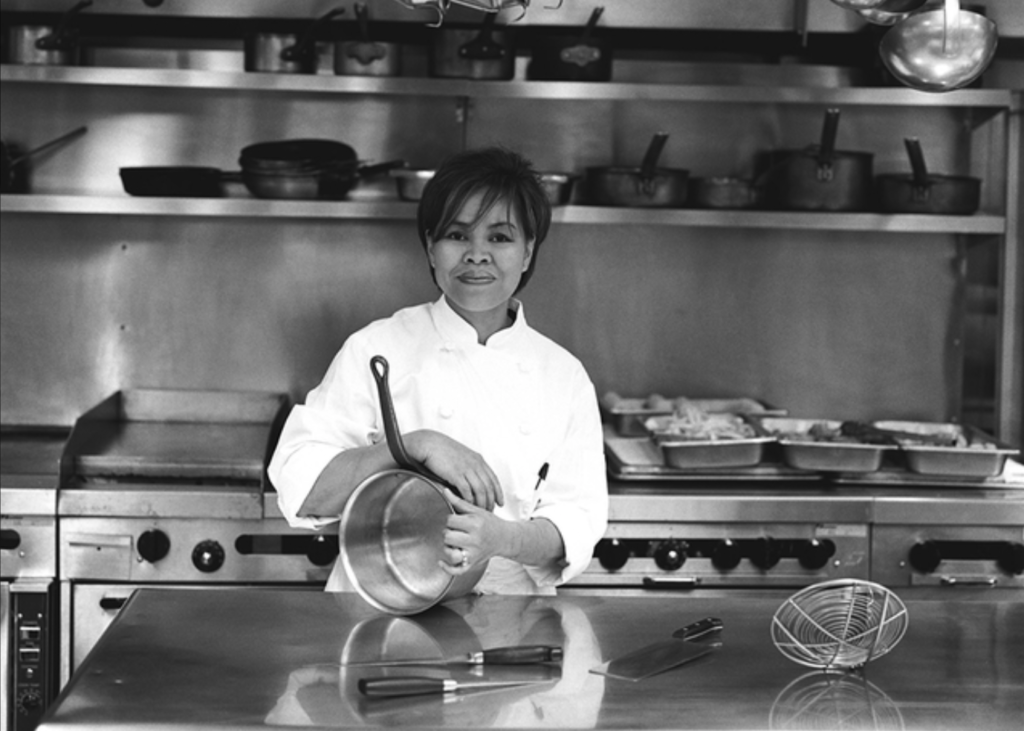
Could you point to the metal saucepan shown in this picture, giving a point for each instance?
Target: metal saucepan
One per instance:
(469, 54)
(412, 181)
(557, 187)
(646, 186)
(939, 50)
(286, 53)
(365, 56)
(392, 528)
(819, 177)
(12, 162)
(725, 192)
(924, 192)
(45, 45)
(572, 58)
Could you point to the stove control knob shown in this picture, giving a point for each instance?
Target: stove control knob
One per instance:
(765, 554)
(670, 555)
(612, 554)
(925, 556)
(322, 551)
(726, 555)
(28, 700)
(208, 556)
(1011, 558)
(153, 545)
(814, 554)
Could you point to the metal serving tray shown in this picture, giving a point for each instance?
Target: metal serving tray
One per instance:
(823, 456)
(685, 453)
(627, 415)
(983, 456)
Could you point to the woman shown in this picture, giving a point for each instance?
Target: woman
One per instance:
(485, 400)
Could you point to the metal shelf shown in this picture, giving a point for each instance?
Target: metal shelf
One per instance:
(401, 210)
(553, 90)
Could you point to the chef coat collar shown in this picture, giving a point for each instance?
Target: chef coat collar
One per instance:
(455, 330)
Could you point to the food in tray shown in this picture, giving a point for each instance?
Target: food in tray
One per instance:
(628, 415)
(690, 422)
(925, 434)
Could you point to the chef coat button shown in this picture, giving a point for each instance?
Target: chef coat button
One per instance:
(524, 367)
(447, 347)
(524, 429)
(446, 412)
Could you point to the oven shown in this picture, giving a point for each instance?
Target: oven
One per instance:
(167, 488)
(949, 537)
(29, 636)
(689, 535)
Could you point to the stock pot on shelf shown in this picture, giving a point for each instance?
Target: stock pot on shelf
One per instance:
(646, 186)
(818, 177)
(925, 192)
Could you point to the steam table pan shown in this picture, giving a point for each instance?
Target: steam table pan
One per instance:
(697, 452)
(949, 449)
(628, 414)
(803, 450)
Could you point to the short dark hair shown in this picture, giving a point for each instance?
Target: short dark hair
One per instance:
(503, 176)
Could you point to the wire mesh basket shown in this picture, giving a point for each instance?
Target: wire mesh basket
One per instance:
(821, 700)
(840, 624)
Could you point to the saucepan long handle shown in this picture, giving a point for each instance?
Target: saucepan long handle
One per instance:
(379, 367)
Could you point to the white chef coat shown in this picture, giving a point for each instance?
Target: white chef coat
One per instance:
(521, 401)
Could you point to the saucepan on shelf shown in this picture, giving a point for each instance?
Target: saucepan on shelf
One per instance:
(13, 163)
(579, 57)
(924, 192)
(286, 53)
(366, 56)
(647, 186)
(47, 45)
(483, 53)
(818, 177)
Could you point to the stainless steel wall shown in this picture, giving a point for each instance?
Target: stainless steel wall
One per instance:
(826, 323)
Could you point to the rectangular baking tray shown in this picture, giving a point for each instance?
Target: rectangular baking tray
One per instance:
(687, 454)
(627, 415)
(822, 456)
(986, 459)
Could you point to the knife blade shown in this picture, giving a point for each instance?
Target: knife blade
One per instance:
(699, 630)
(513, 655)
(420, 685)
(665, 654)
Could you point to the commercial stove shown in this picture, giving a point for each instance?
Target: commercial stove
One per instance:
(168, 489)
(29, 639)
(688, 535)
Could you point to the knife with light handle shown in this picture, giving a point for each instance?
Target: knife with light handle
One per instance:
(417, 685)
(515, 655)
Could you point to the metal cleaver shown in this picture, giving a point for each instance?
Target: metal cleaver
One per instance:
(664, 655)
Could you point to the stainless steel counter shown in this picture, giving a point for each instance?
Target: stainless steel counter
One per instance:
(247, 659)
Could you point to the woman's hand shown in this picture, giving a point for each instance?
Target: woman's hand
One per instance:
(457, 464)
(475, 536)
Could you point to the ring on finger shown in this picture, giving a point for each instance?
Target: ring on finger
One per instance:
(465, 558)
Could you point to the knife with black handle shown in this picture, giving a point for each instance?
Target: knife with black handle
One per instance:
(417, 685)
(514, 655)
(699, 630)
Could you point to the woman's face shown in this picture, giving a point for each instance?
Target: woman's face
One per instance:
(478, 266)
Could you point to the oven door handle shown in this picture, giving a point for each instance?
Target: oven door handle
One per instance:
(676, 582)
(113, 603)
